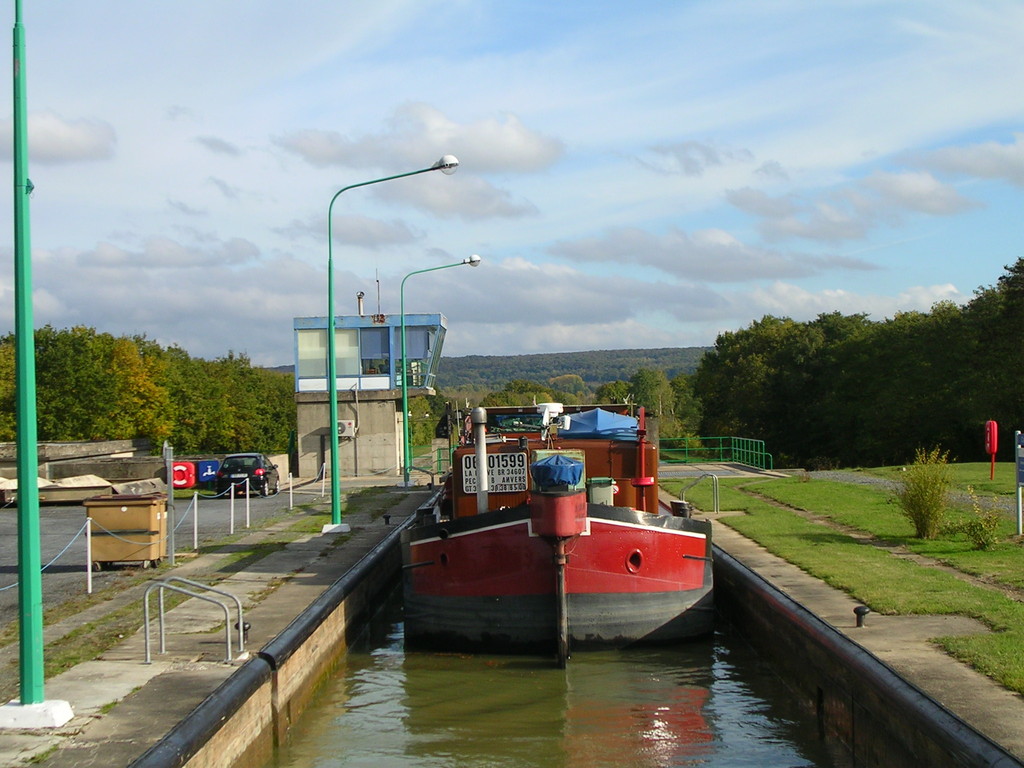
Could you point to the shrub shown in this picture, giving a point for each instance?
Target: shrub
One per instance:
(921, 491)
(981, 527)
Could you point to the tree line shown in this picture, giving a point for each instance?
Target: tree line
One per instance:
(843, 390)
(839, 390)
(95, 386)
(489, 373)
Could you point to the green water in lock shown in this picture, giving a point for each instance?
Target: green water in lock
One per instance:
(708, 703)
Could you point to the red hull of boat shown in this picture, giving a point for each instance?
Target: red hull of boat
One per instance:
(488, 582)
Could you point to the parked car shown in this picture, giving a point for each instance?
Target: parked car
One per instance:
(236, 468)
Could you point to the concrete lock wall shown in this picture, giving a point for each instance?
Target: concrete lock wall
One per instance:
(240, 722)
(880, 718)
(376, 447)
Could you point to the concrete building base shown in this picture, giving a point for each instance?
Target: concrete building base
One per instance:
(45, 714)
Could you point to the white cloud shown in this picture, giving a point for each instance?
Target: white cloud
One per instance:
(354, 230)
(692, 158)
(219, 146)
(919, 192)
(789, 300)
(712, 255)
(468, 197)
(850, 211)
(419, 134)
(987, 160)
(54, 140)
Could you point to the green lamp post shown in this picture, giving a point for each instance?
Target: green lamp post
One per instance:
(32, 710)
(472, 261)
(446, 165)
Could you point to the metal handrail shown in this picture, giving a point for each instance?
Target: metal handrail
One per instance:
(165, 584)
(714, 488)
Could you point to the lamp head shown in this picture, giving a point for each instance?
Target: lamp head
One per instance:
(473, 261)
(446, 165)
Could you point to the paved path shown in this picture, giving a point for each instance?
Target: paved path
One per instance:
(152, 698)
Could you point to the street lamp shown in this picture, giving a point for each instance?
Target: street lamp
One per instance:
(472, 261)
(446, 165)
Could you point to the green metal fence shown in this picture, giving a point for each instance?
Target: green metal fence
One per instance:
(442, 458)
(676, 450)
(694, 450)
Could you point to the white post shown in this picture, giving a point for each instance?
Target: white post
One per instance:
(479, 418)
(231, 525)
(291, 496)
(248, 495)
(88, 555)
(1019, 455)
(195, 521)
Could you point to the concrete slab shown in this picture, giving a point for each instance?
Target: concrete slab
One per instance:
(94, 685)
(51, 713)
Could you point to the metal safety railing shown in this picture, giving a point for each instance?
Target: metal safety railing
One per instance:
(695, 450)
(714, 488)
(170, 583)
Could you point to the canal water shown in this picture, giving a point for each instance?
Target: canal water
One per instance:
(709, 703)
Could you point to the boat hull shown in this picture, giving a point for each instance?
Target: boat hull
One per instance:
(489, 582)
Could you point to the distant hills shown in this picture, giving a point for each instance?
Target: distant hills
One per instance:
(492, 372)
(596, 367)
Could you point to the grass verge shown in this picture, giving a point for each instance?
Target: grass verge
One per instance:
(873, 575)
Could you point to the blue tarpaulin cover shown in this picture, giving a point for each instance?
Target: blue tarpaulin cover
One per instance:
(556, 470)
(599, 423)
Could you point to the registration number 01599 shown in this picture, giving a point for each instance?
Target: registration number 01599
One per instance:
(506, 473)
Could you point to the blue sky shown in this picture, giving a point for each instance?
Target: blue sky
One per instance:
(646, 174)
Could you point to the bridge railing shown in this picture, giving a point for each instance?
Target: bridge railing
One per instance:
(695, 450)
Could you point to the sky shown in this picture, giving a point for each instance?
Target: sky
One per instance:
(632, 175)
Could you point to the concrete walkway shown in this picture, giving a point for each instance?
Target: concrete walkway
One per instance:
(152, 698)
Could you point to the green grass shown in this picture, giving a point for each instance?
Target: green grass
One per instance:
(873, 575)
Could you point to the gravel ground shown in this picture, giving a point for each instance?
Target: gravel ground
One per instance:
(1007, 504)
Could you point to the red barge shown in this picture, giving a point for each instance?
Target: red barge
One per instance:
(561, 545)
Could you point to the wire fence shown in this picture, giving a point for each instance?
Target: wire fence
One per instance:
(91, 527)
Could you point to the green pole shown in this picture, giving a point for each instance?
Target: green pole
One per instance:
(446, 164)
(406, 443)
(30, 578)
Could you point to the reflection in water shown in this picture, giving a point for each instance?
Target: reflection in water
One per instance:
(703, 703)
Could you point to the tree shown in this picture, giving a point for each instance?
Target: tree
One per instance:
(571, 383)
(651, 389)
(686, 407)
(523, 392)
(93, 386)
(612, 392)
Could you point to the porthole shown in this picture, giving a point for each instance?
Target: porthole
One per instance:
(634, 561)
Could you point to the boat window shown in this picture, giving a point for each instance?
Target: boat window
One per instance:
(499, 423)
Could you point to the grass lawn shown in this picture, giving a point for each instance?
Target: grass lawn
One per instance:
(873, 575)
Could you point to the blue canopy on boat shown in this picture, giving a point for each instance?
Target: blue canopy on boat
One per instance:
(556, 469)
(599, 423)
